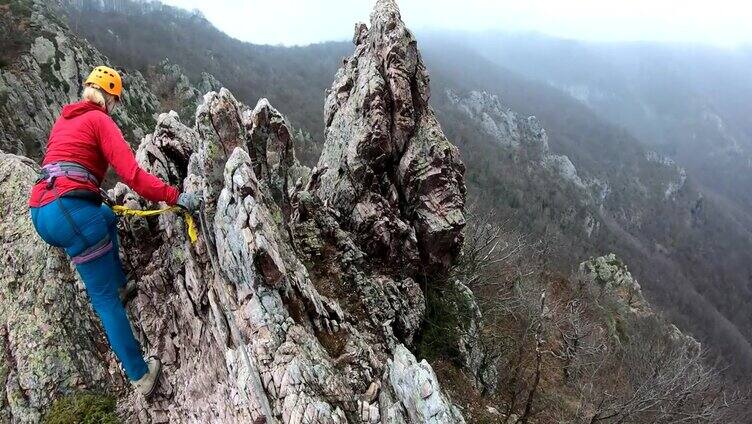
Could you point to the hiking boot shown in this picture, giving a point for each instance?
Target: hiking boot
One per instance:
(128, 291)
(147, 384)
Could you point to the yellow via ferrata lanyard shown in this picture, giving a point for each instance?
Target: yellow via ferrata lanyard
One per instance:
(192, 230)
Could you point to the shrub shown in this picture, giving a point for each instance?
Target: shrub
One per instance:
(448, 314)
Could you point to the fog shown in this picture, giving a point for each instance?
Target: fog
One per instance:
(289, 22)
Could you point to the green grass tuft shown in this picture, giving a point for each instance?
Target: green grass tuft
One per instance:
(83, 408)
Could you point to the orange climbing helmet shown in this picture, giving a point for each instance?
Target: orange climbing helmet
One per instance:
(107, 79)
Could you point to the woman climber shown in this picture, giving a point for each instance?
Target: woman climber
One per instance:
(67, 210)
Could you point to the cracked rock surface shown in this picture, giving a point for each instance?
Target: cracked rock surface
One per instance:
(301, 298)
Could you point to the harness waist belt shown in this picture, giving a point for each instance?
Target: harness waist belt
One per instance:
(66, 169)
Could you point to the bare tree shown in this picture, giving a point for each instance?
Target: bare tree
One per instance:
(615, 366)
(581, 341)
(538, 360)
(663, 379)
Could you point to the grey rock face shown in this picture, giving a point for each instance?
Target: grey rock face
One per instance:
(273, 154)
(474, 358)
(612, 274)
(391, 173)
(413, 386)
(176, 92)
(293, 293)
(497, 121)
(50, 341)
(35, 86)
(511, 130)
(672, 187)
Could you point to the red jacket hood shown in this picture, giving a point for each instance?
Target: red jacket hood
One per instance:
(75, 109)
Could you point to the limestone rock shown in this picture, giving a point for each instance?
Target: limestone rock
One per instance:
(674, 186)
(514, 131)
(272, 152)
(474, 358)
(413, 384)
(609, 273)
(175, 91)
(612, 274)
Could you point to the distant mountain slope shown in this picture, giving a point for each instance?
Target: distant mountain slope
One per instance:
(690, 253)
(38, 60)
(610, 193)
(691, 102)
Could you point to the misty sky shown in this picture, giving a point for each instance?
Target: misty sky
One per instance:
(718, 22)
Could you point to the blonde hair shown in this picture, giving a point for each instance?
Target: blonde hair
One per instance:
(95, 95)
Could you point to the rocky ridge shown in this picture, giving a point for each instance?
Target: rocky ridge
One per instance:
(176, 92)
(513, 131)
(658, 179)
(302, 296)
(398, 166)
(672, 187)
(612, 275)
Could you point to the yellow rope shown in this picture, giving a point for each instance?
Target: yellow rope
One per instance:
(192, 230)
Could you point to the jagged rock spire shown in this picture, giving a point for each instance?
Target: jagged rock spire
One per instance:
(392, 174)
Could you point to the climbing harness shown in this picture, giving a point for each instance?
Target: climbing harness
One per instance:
(74, 171)
(71, 170)
(77, 172)
(258, 387)
(50, 172)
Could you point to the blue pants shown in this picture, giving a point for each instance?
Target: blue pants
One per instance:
(101, 276)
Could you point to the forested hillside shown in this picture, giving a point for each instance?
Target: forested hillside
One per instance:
(140, 37)
(691, 251)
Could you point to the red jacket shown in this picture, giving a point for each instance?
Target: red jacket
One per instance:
(87, 135)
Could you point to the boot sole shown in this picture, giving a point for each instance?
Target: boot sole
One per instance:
(156, 379)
